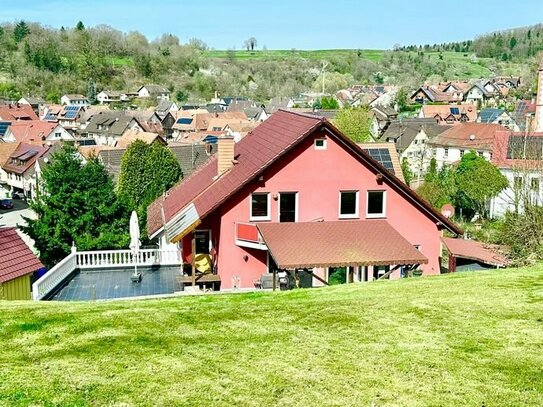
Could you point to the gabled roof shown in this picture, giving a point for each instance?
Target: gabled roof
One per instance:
(154, 88)
(32, 131)
(14, 112)
(132, 135)
(488, 115)
(113, 123)
(444, 111)
(6, 150)
(477, 136)
(24, 157)
(403, 133)
(273, 139)
(76, 97)
(16, 258)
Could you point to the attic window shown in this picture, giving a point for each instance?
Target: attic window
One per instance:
(320, 144)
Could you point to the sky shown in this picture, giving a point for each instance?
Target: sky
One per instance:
(284, 24)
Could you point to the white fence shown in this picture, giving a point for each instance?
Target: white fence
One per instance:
(101, 260)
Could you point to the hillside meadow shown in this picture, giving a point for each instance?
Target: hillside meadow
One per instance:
(456, 340)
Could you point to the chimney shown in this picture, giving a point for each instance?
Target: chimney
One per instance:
(225, 153)
(539, 101)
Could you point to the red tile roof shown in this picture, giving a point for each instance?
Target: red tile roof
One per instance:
(254, 153)
(13, 113)
(23, 158)
(461, 136)
(501, 147)
(31, 131)
(338, 244)
(478, 251)
(16, 259)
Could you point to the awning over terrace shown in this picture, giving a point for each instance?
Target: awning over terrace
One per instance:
(338, 244)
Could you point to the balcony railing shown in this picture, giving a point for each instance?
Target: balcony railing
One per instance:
(247, 235)
(100, 260)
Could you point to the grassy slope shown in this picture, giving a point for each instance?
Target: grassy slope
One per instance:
(448, 341)
(373, 55)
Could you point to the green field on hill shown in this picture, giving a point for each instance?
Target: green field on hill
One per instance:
(325, 54)
(469, 339)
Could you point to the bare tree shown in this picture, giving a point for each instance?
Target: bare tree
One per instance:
(250, 44)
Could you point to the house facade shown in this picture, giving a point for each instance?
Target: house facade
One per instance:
(451, 145)
(160, 92)
(297, 170)
(74, 100)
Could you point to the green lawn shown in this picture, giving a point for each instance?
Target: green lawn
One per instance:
(459, 340)
(371, 54)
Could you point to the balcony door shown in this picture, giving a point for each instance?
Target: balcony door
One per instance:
(288, 207)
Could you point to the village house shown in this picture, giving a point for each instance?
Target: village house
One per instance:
(450, 113)
(297, 195)
(452, 144)
(432, 94)
(519, 157)
(498, 116)
(16, 112)
(482, 92)
(156, 91)
(17, 266)
(37, 104)
(6, 150)
(74, 100)
(411, 137)
(279, 103)
(20, 170)
(36, 132)
(166, 106)
(381, 117)
(106, 127)
(70, 116)
(130, 136)
(107, 96)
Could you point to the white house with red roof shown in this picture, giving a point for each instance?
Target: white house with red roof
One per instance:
(36, 132)
(519, 157)
(449, 147)
(296, 195)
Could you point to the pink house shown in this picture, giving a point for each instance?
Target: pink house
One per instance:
(296, 194)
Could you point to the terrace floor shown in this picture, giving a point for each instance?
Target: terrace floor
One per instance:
(110, 284)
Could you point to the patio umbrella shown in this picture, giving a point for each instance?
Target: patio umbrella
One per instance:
(135, 239)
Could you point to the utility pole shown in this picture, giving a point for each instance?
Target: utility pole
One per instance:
(324, 65)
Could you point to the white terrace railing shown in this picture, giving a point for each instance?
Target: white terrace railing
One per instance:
(101, 260)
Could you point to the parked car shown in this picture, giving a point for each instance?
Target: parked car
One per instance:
(17, 195)
(6, 204)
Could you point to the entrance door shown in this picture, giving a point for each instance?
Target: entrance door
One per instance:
(287, 207)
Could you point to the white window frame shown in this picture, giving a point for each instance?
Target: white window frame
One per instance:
(279, 205)
(376, 215)
(323, 147)
(259, 218)
(355, 215)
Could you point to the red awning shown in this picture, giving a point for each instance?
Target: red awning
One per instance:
(338, 244)
(477, 251)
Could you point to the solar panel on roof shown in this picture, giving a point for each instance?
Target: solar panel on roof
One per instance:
(70, 115)
(3, 127)
(455, 110)
(382, 156)
(50, 116)
(184, 120)
(71, 108)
